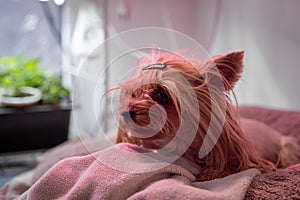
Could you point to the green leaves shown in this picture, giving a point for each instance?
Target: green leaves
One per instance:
(52, 90)
(18, 71)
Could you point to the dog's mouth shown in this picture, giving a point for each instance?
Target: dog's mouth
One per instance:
(140, 125)
(138, 116)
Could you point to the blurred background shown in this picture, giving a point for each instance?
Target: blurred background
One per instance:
(63, 33)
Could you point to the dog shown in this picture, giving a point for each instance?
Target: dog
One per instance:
(168, 91)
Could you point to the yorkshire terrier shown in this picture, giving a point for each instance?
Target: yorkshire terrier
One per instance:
(168, 92)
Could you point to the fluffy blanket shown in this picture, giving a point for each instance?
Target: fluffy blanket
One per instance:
(281, 184)
(87, 178)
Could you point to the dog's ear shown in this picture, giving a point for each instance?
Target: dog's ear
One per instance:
(230, 66)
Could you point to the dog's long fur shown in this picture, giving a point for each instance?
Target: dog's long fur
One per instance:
(232, 151)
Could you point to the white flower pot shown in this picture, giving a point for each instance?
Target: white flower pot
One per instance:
(35, 96)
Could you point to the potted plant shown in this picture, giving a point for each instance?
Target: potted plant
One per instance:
(35, 110)
(23, 82)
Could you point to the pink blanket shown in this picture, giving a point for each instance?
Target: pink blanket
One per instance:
(284, 182)
(143, 177)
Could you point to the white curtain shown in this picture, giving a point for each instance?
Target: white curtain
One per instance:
(269, 32)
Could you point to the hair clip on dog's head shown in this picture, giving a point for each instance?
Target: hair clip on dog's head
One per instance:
(160, 66)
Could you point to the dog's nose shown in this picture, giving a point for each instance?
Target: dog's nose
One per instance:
(127, 115)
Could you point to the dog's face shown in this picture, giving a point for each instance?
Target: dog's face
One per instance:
(138, 120)
(157, 97)
(156, 102)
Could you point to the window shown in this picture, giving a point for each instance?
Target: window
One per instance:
(31, 28)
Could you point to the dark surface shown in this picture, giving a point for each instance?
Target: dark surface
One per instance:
(36, 127)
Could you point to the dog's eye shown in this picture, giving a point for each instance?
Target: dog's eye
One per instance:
(160, 96)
